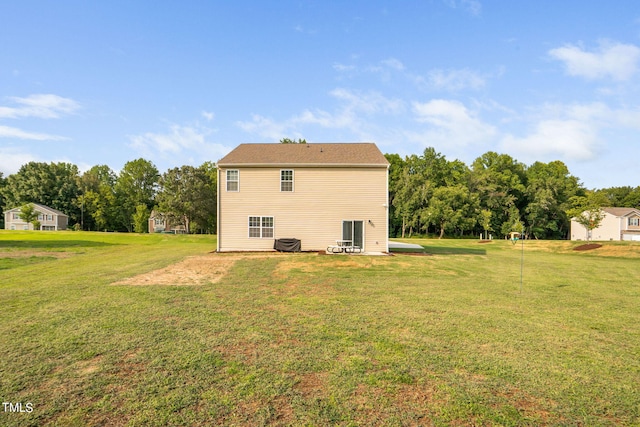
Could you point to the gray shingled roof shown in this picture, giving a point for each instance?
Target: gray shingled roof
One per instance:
(620, 211)
(311, 154)
(40, 208)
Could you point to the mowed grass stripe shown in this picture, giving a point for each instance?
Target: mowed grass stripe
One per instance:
(314, 340)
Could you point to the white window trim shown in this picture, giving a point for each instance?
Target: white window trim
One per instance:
(227, 180)
(364, 230)
(293, 180)
(249, 227)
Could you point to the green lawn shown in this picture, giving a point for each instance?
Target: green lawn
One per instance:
(449, 338)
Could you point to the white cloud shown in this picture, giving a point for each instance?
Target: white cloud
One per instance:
(566, 139)
(568, 132)
(179, 141)
(452, 122)
(369, 102)
(454, 80)
(264, 127)
(617, 61)
(343, 68)
(474, 7)
(11, 132)
(11, 160)
(350, 114)
(393, 63)
(44, 106)
(450, 127)
(383, 69)
(208, 115)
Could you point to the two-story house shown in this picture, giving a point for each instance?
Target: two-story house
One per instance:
(617, 224)
(160, 223)
(50, 219)
(317, 193)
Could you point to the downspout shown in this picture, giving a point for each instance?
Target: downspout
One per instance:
(387, 207)
(218, 195)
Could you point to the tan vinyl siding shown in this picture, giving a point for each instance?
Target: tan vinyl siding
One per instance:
(614, 223)
(313, 212)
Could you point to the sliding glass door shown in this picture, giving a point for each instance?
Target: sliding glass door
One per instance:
(354, 232)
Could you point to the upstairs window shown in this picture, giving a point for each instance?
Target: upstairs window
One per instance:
(634, 222)
(233, 180)
(286, 180)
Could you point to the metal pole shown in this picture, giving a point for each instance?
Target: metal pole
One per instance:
(521, 264)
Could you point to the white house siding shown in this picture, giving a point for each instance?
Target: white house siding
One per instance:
(613, 227)
(50, 219)
(322, 198)
(609, 229)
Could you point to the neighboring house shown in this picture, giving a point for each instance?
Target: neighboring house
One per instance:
(159, 223)
(50, 219)
(617, 224)
(317, 193)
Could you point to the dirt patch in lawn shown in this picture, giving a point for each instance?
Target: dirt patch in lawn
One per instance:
(193, 271)
(196, 270)
(312, 384)
(587, 247)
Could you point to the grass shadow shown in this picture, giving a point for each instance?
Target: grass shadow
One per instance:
(448, 250)
(439, 250)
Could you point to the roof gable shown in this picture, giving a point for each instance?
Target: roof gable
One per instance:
(316, 154)
(40, 208)
(620, 212)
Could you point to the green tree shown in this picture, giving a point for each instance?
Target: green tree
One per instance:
(415, 184)
(485, 221)
(499, 180)
(97, 199)
(293, 141)
(209, 223)
(141, 219)
(513, 223)
(188, 196)
(622, 197)
(29, 214)
(408, 196)
(451, 208)
(51, 184)
(550, 188)
(632, 199)
(396, 166)
(136, 185)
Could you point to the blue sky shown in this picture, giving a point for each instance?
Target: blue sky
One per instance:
(185, 82)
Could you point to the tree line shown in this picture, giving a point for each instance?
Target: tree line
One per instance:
(101, 200)
(428, 195)
(494, 196)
